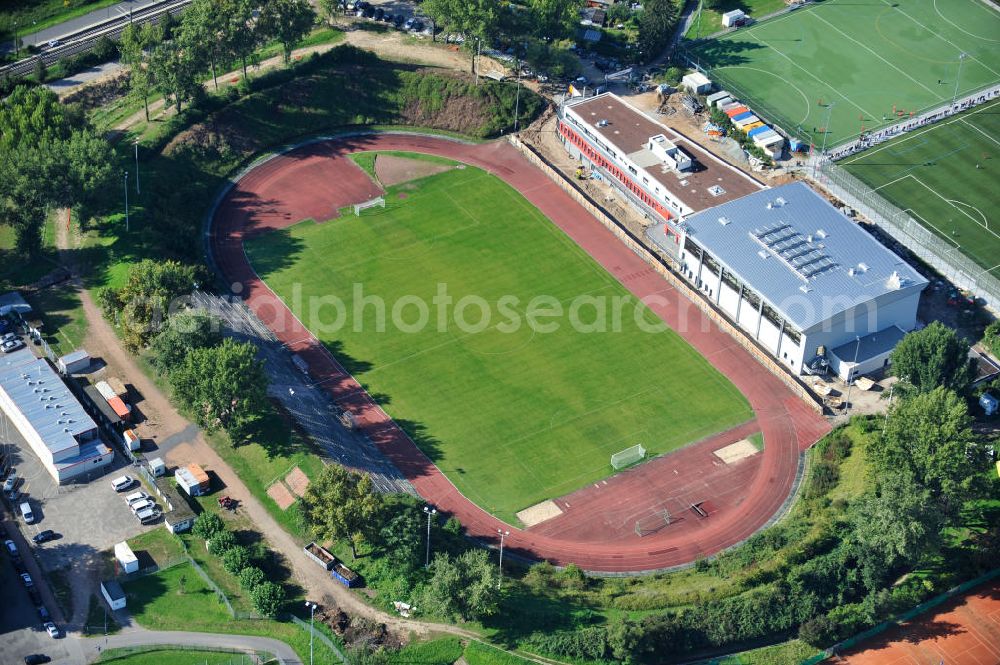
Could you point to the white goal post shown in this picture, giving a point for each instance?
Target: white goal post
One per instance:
(378, 201)
(629, 456)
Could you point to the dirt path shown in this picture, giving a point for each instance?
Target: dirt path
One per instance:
(164, 422)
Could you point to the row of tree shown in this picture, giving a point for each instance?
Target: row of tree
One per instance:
(212, 34)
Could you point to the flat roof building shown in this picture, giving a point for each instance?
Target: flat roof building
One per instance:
(49, 417)
(800, 278)
(659, 171)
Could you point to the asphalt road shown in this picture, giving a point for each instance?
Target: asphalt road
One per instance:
(28, 36)
(90, 648)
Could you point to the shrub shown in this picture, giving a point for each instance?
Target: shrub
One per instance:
(221, 542)
(824, 477)
(250, 577)
(267, 598)
(819, 632)
(208, 525)
(235, 559)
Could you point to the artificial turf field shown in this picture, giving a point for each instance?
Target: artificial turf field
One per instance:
(931, 174)
(512, 416)
(863, 56)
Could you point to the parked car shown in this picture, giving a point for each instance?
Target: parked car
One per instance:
(147, 515)
(8, 485)
(11, 345)
(54, 43)
(44, 536)
(398, 20)
(408, 25)
(29, 517)
(136, 497)
(36, 659)
(43, 613)
(51, 629)
(379, 13)
(8, 336)
(122, 483)
(11, 548)
(141, 505)
(26, 578)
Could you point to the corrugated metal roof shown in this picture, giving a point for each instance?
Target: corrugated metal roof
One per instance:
(805, 258)
(45, 401)
(13, 302)
(870, 346)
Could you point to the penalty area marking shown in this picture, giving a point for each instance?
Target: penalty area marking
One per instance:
(736, 452)
(539, 513)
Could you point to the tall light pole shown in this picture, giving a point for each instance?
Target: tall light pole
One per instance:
(137, 166)
(431, 512)
(125, 182)
(17, 45)
(826, 130)
(517, 99)
(850, 375)
(503, 534)
(961, 59)
(312, 611)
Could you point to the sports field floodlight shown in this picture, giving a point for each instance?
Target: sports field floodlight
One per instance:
(312, 610)
(125, 182)
(431, 512)
(137, 166)
(503, 534)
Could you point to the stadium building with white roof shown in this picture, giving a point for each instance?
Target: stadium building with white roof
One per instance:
(50, 417)
(804, 281)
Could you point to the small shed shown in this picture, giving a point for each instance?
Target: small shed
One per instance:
(733, 19)
(74, 363)
(113, 594)
(733, 110)
(757, 131)
(773, 145)
(192, 479)
(717, 98)
(131, 440)
(157, 467)
(697, 83)
(126, 558)
(988, 403)
(180, 516)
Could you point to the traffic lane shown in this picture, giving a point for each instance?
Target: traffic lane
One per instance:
(32, 37)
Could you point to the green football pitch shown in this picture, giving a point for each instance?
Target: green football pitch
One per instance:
(946, 177)
(862, 63)
(512, 414)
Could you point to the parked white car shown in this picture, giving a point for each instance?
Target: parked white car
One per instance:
(122, 483)
(136, 497)
(141, 505)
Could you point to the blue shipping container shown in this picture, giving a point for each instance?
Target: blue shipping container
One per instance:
(758, 130)
(742, 116)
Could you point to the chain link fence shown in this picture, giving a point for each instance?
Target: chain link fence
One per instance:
(945, 257)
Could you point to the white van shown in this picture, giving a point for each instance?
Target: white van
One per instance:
(26, 513)
(139, 506)
(148, 515)
(136, 497)
(122, 483)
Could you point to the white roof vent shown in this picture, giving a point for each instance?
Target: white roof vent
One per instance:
(895, 281)
(862, 267)
(770, 205)
(725, 221)
(809, 239)
(602, 123)
(762, 254)
(805, 288)
(850, 271)
(821, 233)
(779, 201)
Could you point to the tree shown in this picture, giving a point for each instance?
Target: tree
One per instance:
(183, 333)
(225, 385)
(134, 46)
(250, 577)
(174, 70)
(467, 586)
(554, 19)
(41, 71)
(207, 526)
(235, 559)
(656, 24)
(142, 304)
(221, 543)
(241, 37)
(932, 357)
(288, 21)
(343, 504)
(267, 598)
(203, 27)
(402, 536)
(991, 337)
(477, 20)
(331, 8)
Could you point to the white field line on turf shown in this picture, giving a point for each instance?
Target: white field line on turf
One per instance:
(864, 154)
(931, 228)
(979, 130)
(947, 41)
(952, 202)
(933, 94)
(986, 3)
(824, 83)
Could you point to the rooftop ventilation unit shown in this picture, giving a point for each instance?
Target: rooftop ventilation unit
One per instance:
(715, 190)
(602, 123)
(821, 233)
(780, 202)
(862, 268)
(805, 288)
(725, 221)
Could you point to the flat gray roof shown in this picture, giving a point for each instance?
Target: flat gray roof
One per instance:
(803, 256)
(12, 301)
(114, 589)
(44, 400)
(870, 346)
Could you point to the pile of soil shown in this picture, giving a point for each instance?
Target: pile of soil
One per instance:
(96, 95)
(359, 630)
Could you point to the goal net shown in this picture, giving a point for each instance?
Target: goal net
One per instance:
(377, 202)
(624, 458)
(652, 523)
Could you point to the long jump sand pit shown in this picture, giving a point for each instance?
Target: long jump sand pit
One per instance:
(392, 170)
(539, 512)
(736, 452)
(280, 494)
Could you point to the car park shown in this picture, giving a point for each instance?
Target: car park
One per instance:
(51, 629)
(139, 506)
(122, 483)
(43, 536)
(26, 579)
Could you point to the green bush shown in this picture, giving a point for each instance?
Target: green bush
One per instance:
(221, 542)
(207, 525)
(250, 577)
(267, 598)
(235, 559)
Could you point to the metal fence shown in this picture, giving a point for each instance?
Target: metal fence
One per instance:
(932, 249)
(223, 598)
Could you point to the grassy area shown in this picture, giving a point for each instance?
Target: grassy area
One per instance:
(945, 177)
(479, 653)
(861, 64)
(33, 15)
(320, 35)
(17, 271)
(159, 656)
(482, 400)
(161, 546)
(442, 651)
(59, 582)
(793, 652)
(60, 309)
(757, 440)
(710, 20)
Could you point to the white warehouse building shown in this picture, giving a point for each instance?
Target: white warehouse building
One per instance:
(807, 283)
(49, 417)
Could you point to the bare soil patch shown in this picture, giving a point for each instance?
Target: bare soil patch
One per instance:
(392, 170)
(281, 495)
(297, 482)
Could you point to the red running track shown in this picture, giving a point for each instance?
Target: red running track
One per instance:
(596, 530)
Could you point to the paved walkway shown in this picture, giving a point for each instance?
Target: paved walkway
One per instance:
(90, 649)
